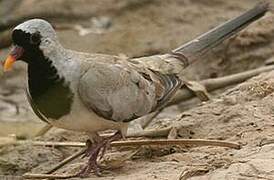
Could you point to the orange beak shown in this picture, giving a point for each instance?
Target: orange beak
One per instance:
(15, 54)
(9, 62)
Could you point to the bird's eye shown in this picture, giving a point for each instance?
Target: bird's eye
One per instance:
(35, 38)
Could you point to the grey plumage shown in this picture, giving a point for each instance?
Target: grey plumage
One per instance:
(127, 93)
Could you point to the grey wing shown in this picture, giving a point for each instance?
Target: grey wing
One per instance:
(121, 93)
(116, 93)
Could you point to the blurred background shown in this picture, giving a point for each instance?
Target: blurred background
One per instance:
(126, 27)
(129, 28)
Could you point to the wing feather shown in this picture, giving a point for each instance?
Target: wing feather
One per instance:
(122, 93)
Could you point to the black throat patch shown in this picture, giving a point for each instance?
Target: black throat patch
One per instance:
(49, 95)
(48, 91)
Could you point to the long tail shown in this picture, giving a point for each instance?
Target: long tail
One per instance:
(180, 58)
(167, 67)
(189, 52)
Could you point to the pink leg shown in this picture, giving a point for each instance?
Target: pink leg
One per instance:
(93, 151)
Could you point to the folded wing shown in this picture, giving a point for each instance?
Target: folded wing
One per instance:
(122, 93)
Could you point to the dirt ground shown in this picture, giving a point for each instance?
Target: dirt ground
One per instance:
(243, 113)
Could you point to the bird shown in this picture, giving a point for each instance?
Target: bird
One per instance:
(90, 92)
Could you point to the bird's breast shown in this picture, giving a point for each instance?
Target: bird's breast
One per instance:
(49, 93)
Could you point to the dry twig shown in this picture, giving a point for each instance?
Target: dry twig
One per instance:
(192, 142)
(195, 142)
(65, 161)
(218, 83)
(48, 176)
(43, 130)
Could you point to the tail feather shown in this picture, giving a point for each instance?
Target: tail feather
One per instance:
(180, 58)
(195, 48)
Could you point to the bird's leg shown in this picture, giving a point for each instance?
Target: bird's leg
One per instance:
(108, 141)
(93, 151)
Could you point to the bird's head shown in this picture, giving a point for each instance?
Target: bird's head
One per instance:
(30, 39)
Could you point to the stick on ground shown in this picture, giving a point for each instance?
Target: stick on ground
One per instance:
(43, 130)
(48, 176)
(67, 160)
(192, 142)
(218, 83)
(195, 142)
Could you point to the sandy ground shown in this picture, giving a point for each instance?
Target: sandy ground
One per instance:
(242, 114)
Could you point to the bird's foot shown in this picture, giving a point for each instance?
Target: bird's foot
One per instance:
(93, 151)
(108, 140)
